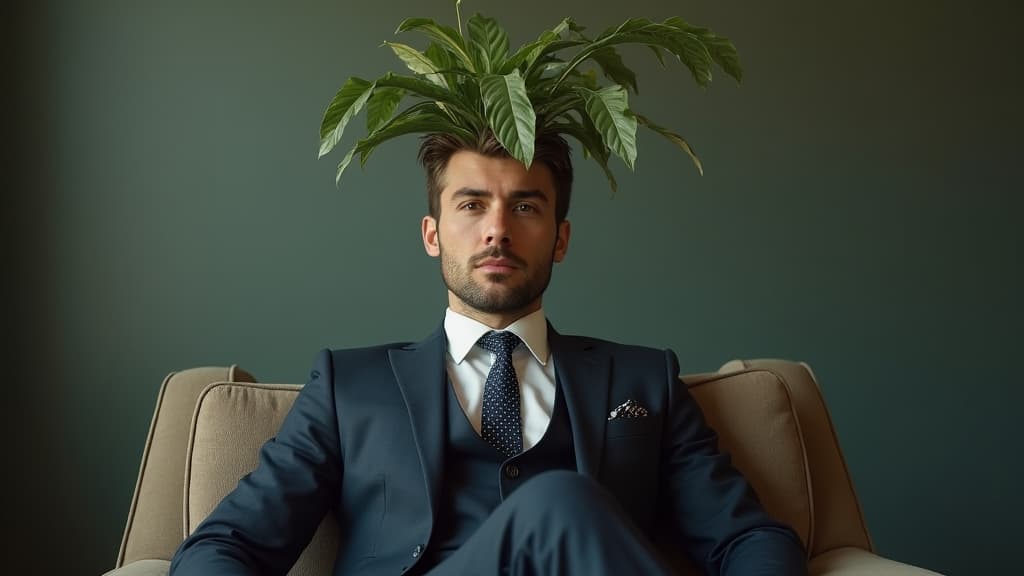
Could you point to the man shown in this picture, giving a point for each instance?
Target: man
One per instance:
(496, 445)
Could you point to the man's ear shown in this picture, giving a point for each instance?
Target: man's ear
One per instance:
(562, 242)
(429, 230)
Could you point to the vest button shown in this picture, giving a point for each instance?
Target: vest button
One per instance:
(512, 471)
(417, 551)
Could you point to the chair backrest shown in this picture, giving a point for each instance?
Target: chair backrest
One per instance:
(154, 526)
(769, 415)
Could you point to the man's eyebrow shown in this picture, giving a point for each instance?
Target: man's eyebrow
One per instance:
(515, 195)
(529, 195)
(470, 193)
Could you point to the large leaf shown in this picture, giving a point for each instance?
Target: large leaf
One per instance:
(346, 104)
(424, 117)
(419, 119)
(686, 46)
(673, 138)
(607, 108)
(552, 109)
(695, 55)
(538, 57)
(489, 41)
(442, 60)
(424, 89)
(544, 44)
(721, 49)
(446, 36)
(614, 68)
(510, 114)
(381, 106)
(592, 145)
(417, 62)
(725, 55)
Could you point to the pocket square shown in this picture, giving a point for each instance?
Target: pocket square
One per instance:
(628, 409)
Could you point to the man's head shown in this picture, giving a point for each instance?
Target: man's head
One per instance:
(497, 227)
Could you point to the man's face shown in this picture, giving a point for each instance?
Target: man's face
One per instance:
(496, 236)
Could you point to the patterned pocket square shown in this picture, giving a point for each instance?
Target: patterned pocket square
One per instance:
(628, 409)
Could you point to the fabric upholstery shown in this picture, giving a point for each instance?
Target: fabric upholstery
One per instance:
(757, 425)
(231, 422)
(842, 524)
(850, 561)
(154, 522)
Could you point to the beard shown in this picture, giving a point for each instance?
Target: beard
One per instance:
(502, 296)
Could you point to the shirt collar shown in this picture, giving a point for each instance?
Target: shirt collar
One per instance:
(463, 332)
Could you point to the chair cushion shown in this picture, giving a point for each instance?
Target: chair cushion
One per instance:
(757, 425)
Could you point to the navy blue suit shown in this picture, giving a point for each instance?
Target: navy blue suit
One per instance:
(366, 439)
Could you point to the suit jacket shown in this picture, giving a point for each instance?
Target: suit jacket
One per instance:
(366, 438)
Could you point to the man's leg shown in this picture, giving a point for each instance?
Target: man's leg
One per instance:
(556, 523)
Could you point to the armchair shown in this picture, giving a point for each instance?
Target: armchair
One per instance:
(209, 424)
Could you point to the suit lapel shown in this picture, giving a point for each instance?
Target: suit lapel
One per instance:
(583, 373)
(421, 375)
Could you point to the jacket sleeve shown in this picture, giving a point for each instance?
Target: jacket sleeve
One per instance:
(263, 525)
(711, 506)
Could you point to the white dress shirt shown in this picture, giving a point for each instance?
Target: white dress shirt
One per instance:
(468, 365)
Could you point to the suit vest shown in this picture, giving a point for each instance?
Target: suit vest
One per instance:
(477, 477)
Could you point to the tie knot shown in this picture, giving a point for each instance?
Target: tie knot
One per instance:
(500, 343)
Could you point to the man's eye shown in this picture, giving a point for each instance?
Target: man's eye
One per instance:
(525, 208)
(470, 205)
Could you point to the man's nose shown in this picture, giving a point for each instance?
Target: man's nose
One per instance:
(496, 228)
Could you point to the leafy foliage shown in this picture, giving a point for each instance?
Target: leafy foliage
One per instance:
(467, 85)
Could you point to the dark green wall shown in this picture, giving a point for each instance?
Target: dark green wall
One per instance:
(861, 210)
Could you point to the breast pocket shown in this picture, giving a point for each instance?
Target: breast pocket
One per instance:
(626, 427)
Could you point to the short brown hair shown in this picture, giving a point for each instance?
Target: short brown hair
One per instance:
(550, 149)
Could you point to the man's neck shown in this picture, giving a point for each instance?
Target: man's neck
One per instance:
(496, 321)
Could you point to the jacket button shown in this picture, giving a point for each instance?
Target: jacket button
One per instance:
(512, 471)
(417, 551)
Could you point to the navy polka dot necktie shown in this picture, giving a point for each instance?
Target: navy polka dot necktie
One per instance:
(501, 424)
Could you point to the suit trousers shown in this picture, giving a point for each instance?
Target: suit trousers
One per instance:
(558, 522)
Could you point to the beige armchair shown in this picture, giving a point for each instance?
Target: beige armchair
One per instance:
(210, 422)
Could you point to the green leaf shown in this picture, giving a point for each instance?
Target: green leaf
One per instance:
(529, 53)
(510, 114)
(725, 55)
(608, 110)
(446, 36)
(417, 62)
(555, 107)
(490, 42)
(536, 58)
(657, 54)
(381, 106)
(442, 60)
(425, 89)
(422, 118)
(342, 165)
(673, 138)
(346, 104)
(721, 49)
(614, 68)
(694, 54)
(592, 145)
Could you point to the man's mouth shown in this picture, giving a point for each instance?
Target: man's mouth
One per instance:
(497, 263)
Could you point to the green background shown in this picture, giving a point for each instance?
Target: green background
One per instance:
(861, 211)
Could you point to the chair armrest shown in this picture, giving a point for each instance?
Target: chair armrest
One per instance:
(142, 568)
(858, 562)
